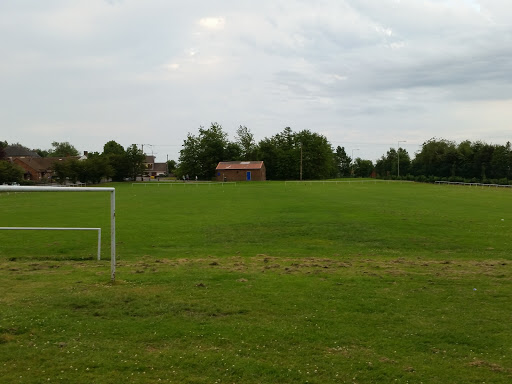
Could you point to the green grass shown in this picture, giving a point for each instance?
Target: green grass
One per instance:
(260, 283)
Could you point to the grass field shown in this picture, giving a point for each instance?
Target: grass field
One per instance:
(259, 283)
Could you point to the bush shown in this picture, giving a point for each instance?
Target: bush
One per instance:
(10, 173)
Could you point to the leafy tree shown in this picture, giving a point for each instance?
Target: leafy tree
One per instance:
(233, 152)
(465, 156)
(63, 149)
(386, 166)
(67, 170)
(245, 140)
(43, 152)
(189, 157)
(500, 164)
(282, 155)
(341, 162)
(10, 173)
(363, 168)
(171, 166)
(136, 159)
(405, 161)
(201, 154)
(120, 166)
(96, 168)
(3, 144)
(269, 155)
(113, 148)
(482, 160)
(91, 170)
(436, 158)
(117, 160)
(317, 155)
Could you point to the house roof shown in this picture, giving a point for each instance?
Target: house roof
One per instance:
(42, 163)
(239, 165)
(19, 150)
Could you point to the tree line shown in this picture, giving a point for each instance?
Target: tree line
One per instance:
(115, 163)
(441, 159)
(288, 155)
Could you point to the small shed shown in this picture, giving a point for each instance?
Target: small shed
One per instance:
(240, 171)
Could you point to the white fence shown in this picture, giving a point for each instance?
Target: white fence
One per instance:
(186, 183)
(346, 181)
(474, 184)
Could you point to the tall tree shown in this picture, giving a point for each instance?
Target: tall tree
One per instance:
(96, 168)
(10, 173)
(500, 164)
(281, 154)
(201, 154)
(62, 149)
(404, 161)
(386, 166)
(189, 157)
(436, 158)
(3, 144)
(136, 159)
(465, 156)
(341, 162)
(482, 160)
(118, 160)
(316, 155)
(285, 153)
(245, 139)
(363, 168)
(171, 166)
(113, 148)
(233, 152)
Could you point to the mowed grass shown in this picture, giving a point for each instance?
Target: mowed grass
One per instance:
(259, 283)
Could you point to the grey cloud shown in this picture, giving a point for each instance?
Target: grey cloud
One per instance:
(367, 66)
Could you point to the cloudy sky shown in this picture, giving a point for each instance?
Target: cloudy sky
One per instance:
(364, 73)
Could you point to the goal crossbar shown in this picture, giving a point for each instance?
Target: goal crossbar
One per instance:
(12, 188)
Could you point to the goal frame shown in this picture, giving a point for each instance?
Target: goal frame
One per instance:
(12, 188)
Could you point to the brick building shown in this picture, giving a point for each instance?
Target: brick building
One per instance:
(240, 171)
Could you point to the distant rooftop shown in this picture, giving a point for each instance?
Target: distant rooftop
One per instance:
(19, 151)
(240, 165)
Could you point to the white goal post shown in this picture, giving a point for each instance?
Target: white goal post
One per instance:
(9, 188)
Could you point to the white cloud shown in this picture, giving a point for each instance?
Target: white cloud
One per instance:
(214, 23)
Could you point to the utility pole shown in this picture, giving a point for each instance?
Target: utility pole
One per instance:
(300, 161)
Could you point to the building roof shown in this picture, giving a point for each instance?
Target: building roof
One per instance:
(42, 163)
(18, 150)
(239, 165)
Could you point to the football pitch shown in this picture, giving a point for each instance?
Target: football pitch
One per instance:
(360, 282)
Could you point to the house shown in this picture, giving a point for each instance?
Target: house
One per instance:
(240, 171)
(39, 168)
(154, 169)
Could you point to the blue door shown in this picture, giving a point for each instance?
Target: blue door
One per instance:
(248, 176)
